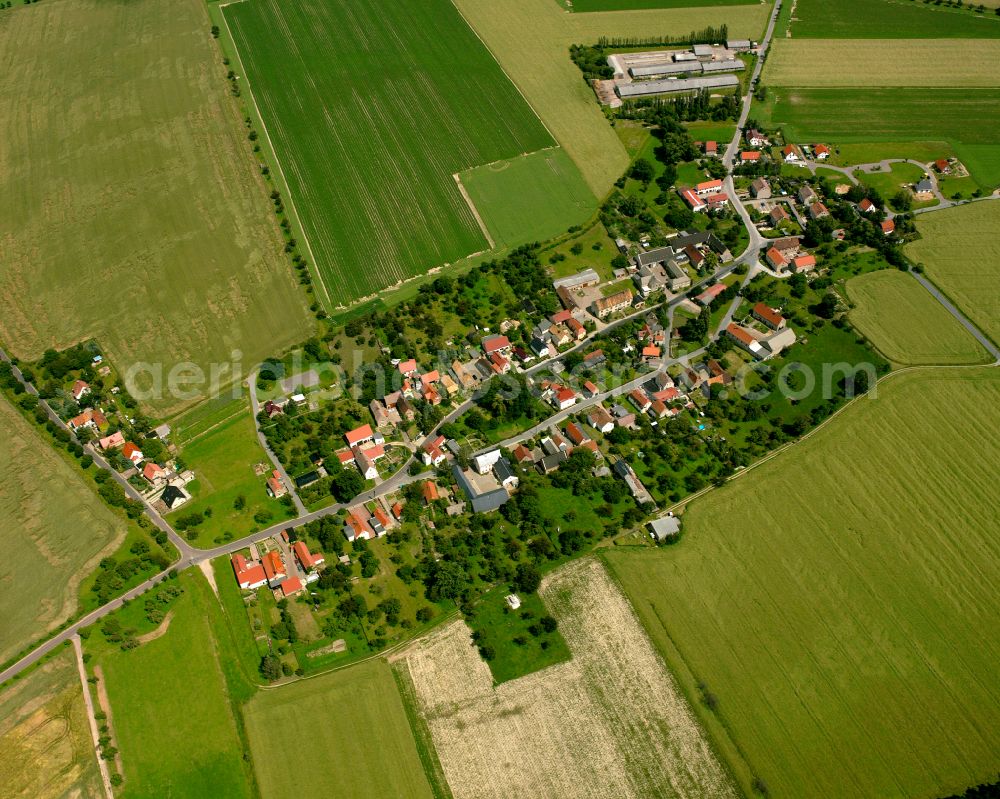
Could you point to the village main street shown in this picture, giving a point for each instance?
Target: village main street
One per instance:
(191, 556)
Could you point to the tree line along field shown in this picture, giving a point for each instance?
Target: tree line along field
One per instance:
(925, 63)
(372, 107)
(539, 65)
(906, 324)
(54, 531)
(46, 748)
(610, 722)
(960, 249)
(133, 212)
(343, 734)
(962, 121)
(841, 603)
(876, 19)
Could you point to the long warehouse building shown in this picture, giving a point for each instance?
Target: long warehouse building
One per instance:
(664, 68)
(650, 87)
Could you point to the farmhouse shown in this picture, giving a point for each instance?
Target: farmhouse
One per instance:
(792, 154)
(803, 263)
(778, 341)
(746, 341)
(768, 316)
(708, 187)
(776, 259)
(709, 294)
(80, 390)
(694, 202)
(484, 491)
(588, 277)
(778, 215)
(496, 344)
(274, 568)
(603, 307)
(674, 86)
(248, 575)
(307, 560)
(275, 487)
(360, 436)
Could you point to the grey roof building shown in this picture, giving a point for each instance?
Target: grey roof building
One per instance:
(665, 68)
(482, 501)
(667, 86)
(662, 529)
(731, 65)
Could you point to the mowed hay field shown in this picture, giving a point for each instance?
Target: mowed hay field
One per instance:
(344, 734)
(843, 602)
(172, 717)
(611, 722)
(372, 107)
(54, 530)
(132, 208)
(46, 749)
(960, 248)
(531, 198)
(876, 19)
(623, 5)
(906, 324)
(944, 63)
(531, 39)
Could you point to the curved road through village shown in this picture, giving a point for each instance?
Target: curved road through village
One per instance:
(190, 556)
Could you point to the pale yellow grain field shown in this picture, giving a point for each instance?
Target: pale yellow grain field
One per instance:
(611, 722)
(531, 39)
(812, 63)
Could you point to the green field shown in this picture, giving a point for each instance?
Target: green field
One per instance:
(960, 248)
(878, 19)
(371, 174)
(134, 213)
(222, 452)
(531, 39)
(343, 734)
(172, 714)
(966, 119)
(906, 324)
(889, 182)
(629, 5)
(55, 529)
(46, 749)
(530, 198)
(841, 602)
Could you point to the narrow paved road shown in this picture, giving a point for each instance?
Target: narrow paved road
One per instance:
(254, 410)
(991, 348)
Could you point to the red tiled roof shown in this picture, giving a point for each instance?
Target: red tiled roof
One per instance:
(521, 453)
(495, 343)
(888, 226)
(430, 491)
(775, 258)
(708, 185)
(430, 377)
(291, 586)
(802, 261)
(740, 334)
(691, 198)
(272, 565)
(766, 313)
(821, 149)
(151, 471)
(750, 155)
(650, 352)
(565, 395)
(358, 434)
(667, 394)
(575, 433)
(397, 510)
(405, 367)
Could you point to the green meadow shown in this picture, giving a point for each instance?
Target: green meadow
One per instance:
(839, 604)
(881, 19)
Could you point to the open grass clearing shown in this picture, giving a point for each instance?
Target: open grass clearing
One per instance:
(904, 122)
(134, 212)
(172, 712)
(361, 746)
(906, 324)
(54, 531)
(841, 602)
(945, 63)
(371, 175)
(960, 249)
(608, 723)
(539, 64)
(224, 458)
(887, 182)
(530, 198)
(877, 19)
(46, 749)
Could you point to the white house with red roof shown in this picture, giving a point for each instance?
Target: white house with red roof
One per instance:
(360, 436)
(749, 156)
(275, 486)
(708, 187)
(132, 453)
(768, 316)
(867, 206)
(792, 154)
(821, 152)
(498, 344)
(776, 259)
(694, 202)
(888, 227)
(433, 451)
(407, 368)
(563, 397)
(154, 473)
(80, 390)
(640, 400)
(803, 263)
(113, 441)
(307, 560)
(746, 341)
(248, 575)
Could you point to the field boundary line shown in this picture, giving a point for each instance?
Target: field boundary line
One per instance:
(475, 211)
(274, 151)
(510, 80)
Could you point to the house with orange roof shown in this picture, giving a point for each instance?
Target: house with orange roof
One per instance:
(112, 442)
(564, 398)
(407, 368)
(85, 419)
(275, 487)
(791, 153)
(694, 202)
(274, 568)
(154, 473)
(433, 451)
(768, 316)
(746, 341)
(248, 575)
(291, 586)
(397, 510)
(591, 389)
(867, 206)
(650, 353)
(522, 454)
(132, 453)
(711, 148)
(708, 187)
(776, 259)
(640, 400)
(821, 152)
(803, 263)
(576, 434)
(307, 560)
(888, 227)
(359, 436)
(499, 344)
(430, 492)
(749, 156)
